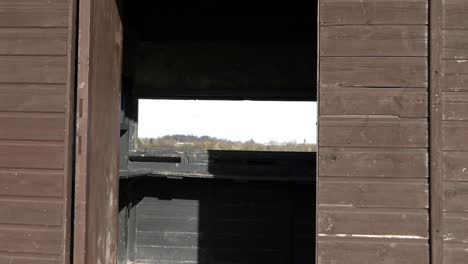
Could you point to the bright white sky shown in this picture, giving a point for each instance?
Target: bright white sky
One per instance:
(261, 121)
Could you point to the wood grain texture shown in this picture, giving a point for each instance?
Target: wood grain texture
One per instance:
(454, 135)
(367, 101)
(349, 222)
(402, 72)
(435, 124)
(30, 212)
(388, 163)
(356, 251)
(374, 193)
(38, 127)
(455, 166)
(455, 44)
(32, 98)
(33, 69)
(454, 75)
(373, 132)
(34, 14)
(373, 12)
(35, 57)
(98, 121)
(32, 183)
(36, 41)
(455, 227)
(373, 41)
(455, 106)
(455, 13)
(12, 259)
(455, 253)
(455, 196)
(30, 240)
(28, 155)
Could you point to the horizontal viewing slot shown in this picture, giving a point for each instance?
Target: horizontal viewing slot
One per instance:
(157, 159)
(203, 125)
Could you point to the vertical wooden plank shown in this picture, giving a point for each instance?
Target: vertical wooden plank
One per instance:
(80, 213)
(435, 123)
(69, 131)
(98, 124)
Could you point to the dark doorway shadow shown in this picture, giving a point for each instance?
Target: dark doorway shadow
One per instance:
(219, 220)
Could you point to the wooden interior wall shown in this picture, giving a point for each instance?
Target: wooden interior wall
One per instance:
(98, 125)
(373, 133)
(454, 137)
(36, 124)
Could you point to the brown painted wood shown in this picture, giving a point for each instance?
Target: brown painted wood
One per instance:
(403, 72)
(455, 166)
(435, 125)
(377, 12)
(374, 193)
(32, 98)
(454, 14)
(373, 41)
(33, 69)
(388, 163)
(20, 239)
(455, 44)
(455, 253)
(455, 227)
(32, 183)
(70, 123)
(455, 75)
(372, 222)
(455, 196)
(368, 101)
(27, 211)
(98, 117)
(34, 14)
(346, 251)
(36, 41)
(454, 135)
(373, 132)
(28, 260)
(29, 155)
(28, 126)
(455, 106)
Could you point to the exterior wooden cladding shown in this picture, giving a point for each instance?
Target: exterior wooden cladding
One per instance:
(382, 166)
(453, 128)
(36, 126)
(373, 202)
(98, 125)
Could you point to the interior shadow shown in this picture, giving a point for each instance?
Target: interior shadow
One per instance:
(249, 207)
(223, 221)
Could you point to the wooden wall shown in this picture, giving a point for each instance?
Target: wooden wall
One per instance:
(454, 137)
(373, 132)
(36, 95)
(98, 126)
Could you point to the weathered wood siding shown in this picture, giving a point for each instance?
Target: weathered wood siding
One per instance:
(454, 134)
(373, 135)
(36, 92)
(97, 139)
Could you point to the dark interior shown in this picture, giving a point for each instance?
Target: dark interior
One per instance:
(217, 206)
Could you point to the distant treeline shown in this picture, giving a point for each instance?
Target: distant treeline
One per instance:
(190, 142)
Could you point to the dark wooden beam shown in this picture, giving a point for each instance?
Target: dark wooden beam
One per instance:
(435, 121)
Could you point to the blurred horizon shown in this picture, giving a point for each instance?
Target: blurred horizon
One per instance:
(260, 122)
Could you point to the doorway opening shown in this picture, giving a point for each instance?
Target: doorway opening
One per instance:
(218, 132)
